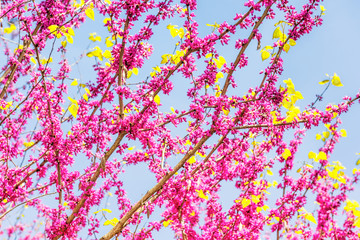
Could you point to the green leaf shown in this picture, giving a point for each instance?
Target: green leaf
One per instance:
(45, 61)
(201, 194)
(323, 82)
(69, 39)
(106, 20)
(245, 202)
(322, 156)
(173, 30)
(112, 222)
(343, 133)
(53, 29)
(310, 217)
(282, 22)
(108, 42)
(292, 42)
(167, 223)
(103, 210)
(326, 134)
(94, 38)
(312, 155)
(226, 112)
(73, 100)
(107, 54)
(209, 55)
(298, 95)
(286, 47)
(255, 199)
(157, 99)
(265, 55)
(135, 71)
(64, 43)
(10, 29)
(192, 160)
(219, 75)
(336, 81)
(74, 83)
(181, 33)
(286, 154)
(220, 62)
(73, 109)
(87, 91)
(357, 222)
(358, 162)
(90, 13)
(289, 84)
(71, 31)
(97, 52)
(28, 144)
(215, 26)
(165, 58)
(277, 33)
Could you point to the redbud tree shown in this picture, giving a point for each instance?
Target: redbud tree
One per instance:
(67, 140)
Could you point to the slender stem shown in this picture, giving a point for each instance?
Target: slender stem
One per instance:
(5, 213)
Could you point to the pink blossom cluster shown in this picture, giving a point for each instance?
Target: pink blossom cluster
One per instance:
(61, 158)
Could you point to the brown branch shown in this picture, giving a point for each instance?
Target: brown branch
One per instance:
(122, 223)
(240, 20)
(243, 48)
(29, 174)
(13, 8)
(11, 70)
(5, 213)
(122, 72)
(93, 179)
(266, 125)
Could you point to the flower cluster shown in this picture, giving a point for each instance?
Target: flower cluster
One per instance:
(67, 143)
